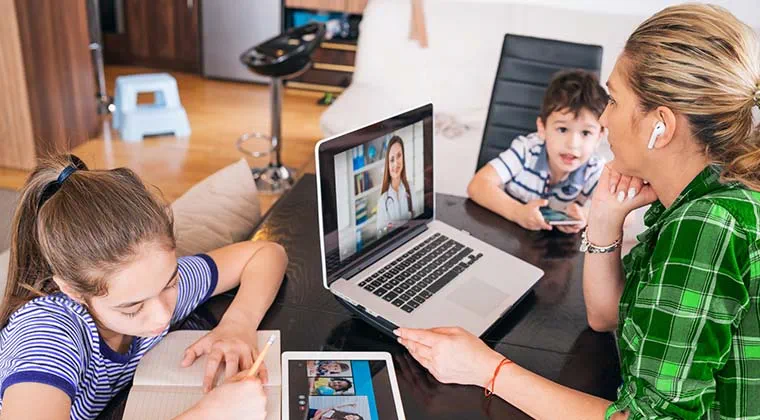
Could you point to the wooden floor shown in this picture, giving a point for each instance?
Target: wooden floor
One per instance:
(219, 112)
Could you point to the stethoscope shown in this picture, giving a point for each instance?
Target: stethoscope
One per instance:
(389, 201)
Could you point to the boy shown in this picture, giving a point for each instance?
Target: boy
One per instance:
(553, 167)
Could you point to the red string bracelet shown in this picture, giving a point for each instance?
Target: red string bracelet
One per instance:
(490, 388)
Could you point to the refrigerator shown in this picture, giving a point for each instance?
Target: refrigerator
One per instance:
(229, 27)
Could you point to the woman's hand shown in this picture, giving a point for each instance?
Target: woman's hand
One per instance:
(438, 399)
(235, 399)
(614, 198)
(576, 212)
(232, 342)
(529, 215)
(452, 355)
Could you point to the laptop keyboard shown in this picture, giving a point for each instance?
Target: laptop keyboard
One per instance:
(418, 274)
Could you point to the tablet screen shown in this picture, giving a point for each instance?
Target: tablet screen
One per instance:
(340, 390)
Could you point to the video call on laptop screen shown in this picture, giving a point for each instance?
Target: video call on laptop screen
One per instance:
(376, 183)
(340, 390)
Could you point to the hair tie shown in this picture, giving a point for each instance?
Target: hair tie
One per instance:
(53, 186)
(757, 95)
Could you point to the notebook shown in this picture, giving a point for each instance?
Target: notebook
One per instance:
(162, 389)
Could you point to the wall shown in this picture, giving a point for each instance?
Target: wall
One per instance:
(456, 71)
(60, 80)
(16, 138)
(746, 10)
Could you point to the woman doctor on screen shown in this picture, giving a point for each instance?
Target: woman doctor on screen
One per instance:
(395, 204)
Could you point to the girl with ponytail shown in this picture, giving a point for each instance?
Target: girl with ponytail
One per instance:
(94, 283)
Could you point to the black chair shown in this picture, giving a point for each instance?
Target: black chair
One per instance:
(285, 56)
(526, 66)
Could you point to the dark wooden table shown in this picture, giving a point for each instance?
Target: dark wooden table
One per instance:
(546, 333)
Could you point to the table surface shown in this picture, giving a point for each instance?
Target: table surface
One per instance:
(546, 333)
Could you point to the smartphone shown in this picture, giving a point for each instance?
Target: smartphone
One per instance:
(558, 218)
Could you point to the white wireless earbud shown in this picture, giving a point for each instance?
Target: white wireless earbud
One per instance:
(659, 128)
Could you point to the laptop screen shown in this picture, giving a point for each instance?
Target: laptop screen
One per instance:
(375, 184)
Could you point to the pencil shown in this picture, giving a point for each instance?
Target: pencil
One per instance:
(260, 359)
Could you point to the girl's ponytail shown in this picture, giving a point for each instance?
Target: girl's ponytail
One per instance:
(29, 274)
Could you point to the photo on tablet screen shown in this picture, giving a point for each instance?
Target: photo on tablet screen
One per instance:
(328, 368)
(331, 386)
(339, 408)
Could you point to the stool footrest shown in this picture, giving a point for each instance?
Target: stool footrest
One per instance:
(273, 179)
(243, 141)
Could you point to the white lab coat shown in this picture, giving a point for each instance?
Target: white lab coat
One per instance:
(393, 208)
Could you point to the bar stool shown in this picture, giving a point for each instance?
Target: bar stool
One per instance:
(282, 57)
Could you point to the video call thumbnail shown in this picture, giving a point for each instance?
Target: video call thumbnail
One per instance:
(339, 408)
(328, 368)
(331, 386)
(379, 187)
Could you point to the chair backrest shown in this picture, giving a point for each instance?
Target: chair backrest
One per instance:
(526, 66)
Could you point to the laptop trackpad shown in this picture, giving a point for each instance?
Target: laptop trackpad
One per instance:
(478, 296)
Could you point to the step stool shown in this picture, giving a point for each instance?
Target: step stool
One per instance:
(164, 116)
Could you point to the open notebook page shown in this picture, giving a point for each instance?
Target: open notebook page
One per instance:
(163, 388)
(162, 365)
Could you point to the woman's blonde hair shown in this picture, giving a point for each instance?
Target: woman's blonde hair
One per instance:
(701, 61)
(81, 230)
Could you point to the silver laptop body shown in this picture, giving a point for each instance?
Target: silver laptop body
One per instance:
(418, 273)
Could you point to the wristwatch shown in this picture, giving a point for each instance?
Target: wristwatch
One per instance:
(590, 248)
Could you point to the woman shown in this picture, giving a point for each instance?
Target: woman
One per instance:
(685, 300)
(395, 204)
(394, 207)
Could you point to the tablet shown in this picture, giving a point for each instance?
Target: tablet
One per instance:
(557, 218)
(340, 386)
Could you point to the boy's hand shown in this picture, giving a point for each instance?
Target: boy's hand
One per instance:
(529, 216)
(576, 212)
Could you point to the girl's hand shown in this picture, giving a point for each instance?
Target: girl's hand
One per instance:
(235, 399)
(614, 198)
(576, 212)
(232, 342)
(452, 355)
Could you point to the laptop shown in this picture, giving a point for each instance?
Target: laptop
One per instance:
(384, 253)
